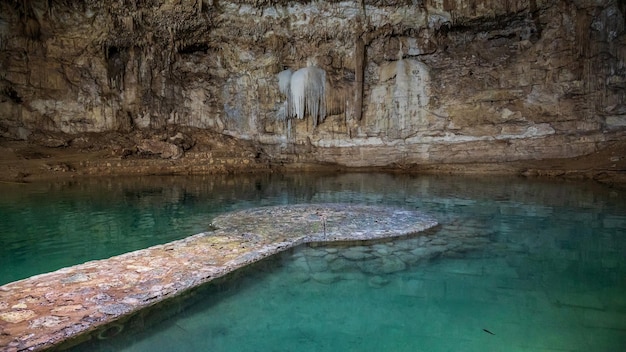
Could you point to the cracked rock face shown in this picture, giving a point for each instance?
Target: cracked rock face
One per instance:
(428, 82)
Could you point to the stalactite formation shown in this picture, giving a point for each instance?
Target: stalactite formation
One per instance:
(117, 58)
(284, 85)
(338, 95)
(425, 77)
(305, 92)
(359, 60)
(359, 73)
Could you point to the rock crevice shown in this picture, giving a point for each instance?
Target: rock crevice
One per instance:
(420, 84)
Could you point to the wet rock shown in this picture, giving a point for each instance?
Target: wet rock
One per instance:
(182, 140)
(325, 277)
(162, 149)
(421, 252)
(300, 264)
(383, 247)
(356, 254)
(330, 257)
(453, 254)
(116, 309)
(422, 241)
(317, 264)
(438, 242)
(428, 251)
(371, 266)
(341, 265)
(48, 140)
(110, 331)
(299, 278)
(406, 244)
(436, 250)
(82, 142)
(312, 252)
(59, 167)
(392, 264)
(381, 250)
(377, 281)
(407, 257)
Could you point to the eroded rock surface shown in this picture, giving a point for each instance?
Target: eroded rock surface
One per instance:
(421, 83)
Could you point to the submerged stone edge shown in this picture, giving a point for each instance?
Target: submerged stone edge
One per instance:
(44, 310)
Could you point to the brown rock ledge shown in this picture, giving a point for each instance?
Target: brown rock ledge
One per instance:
(22, 161)
(44, 310)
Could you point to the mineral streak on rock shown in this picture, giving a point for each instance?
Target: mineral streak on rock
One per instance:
(44, 310)
(481, 81)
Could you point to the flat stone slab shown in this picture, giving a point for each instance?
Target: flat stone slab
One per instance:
(44, 310)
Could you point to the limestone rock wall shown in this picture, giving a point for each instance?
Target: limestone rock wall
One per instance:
(407, 82)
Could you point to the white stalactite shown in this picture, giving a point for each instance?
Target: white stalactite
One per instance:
(284, 86)
(305, 91)
(298, 93)
(284, 81)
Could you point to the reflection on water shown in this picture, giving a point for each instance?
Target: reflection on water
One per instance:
(515, 266)
(47, 226)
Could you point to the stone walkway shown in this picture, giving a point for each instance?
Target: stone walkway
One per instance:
(44, 310)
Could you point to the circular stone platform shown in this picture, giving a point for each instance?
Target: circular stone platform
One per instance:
(325, 222)
(83, 300)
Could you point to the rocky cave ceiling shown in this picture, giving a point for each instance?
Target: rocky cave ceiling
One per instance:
(418, 81)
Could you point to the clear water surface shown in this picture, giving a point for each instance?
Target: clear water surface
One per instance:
(516, 265)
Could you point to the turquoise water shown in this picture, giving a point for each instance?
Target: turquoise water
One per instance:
(515, 266)
(47, 226)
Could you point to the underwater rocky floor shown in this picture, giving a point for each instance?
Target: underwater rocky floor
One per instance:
(454, 289)
(43, 310)
(538, 264)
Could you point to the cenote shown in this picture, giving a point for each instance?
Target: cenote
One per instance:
(516, 264)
